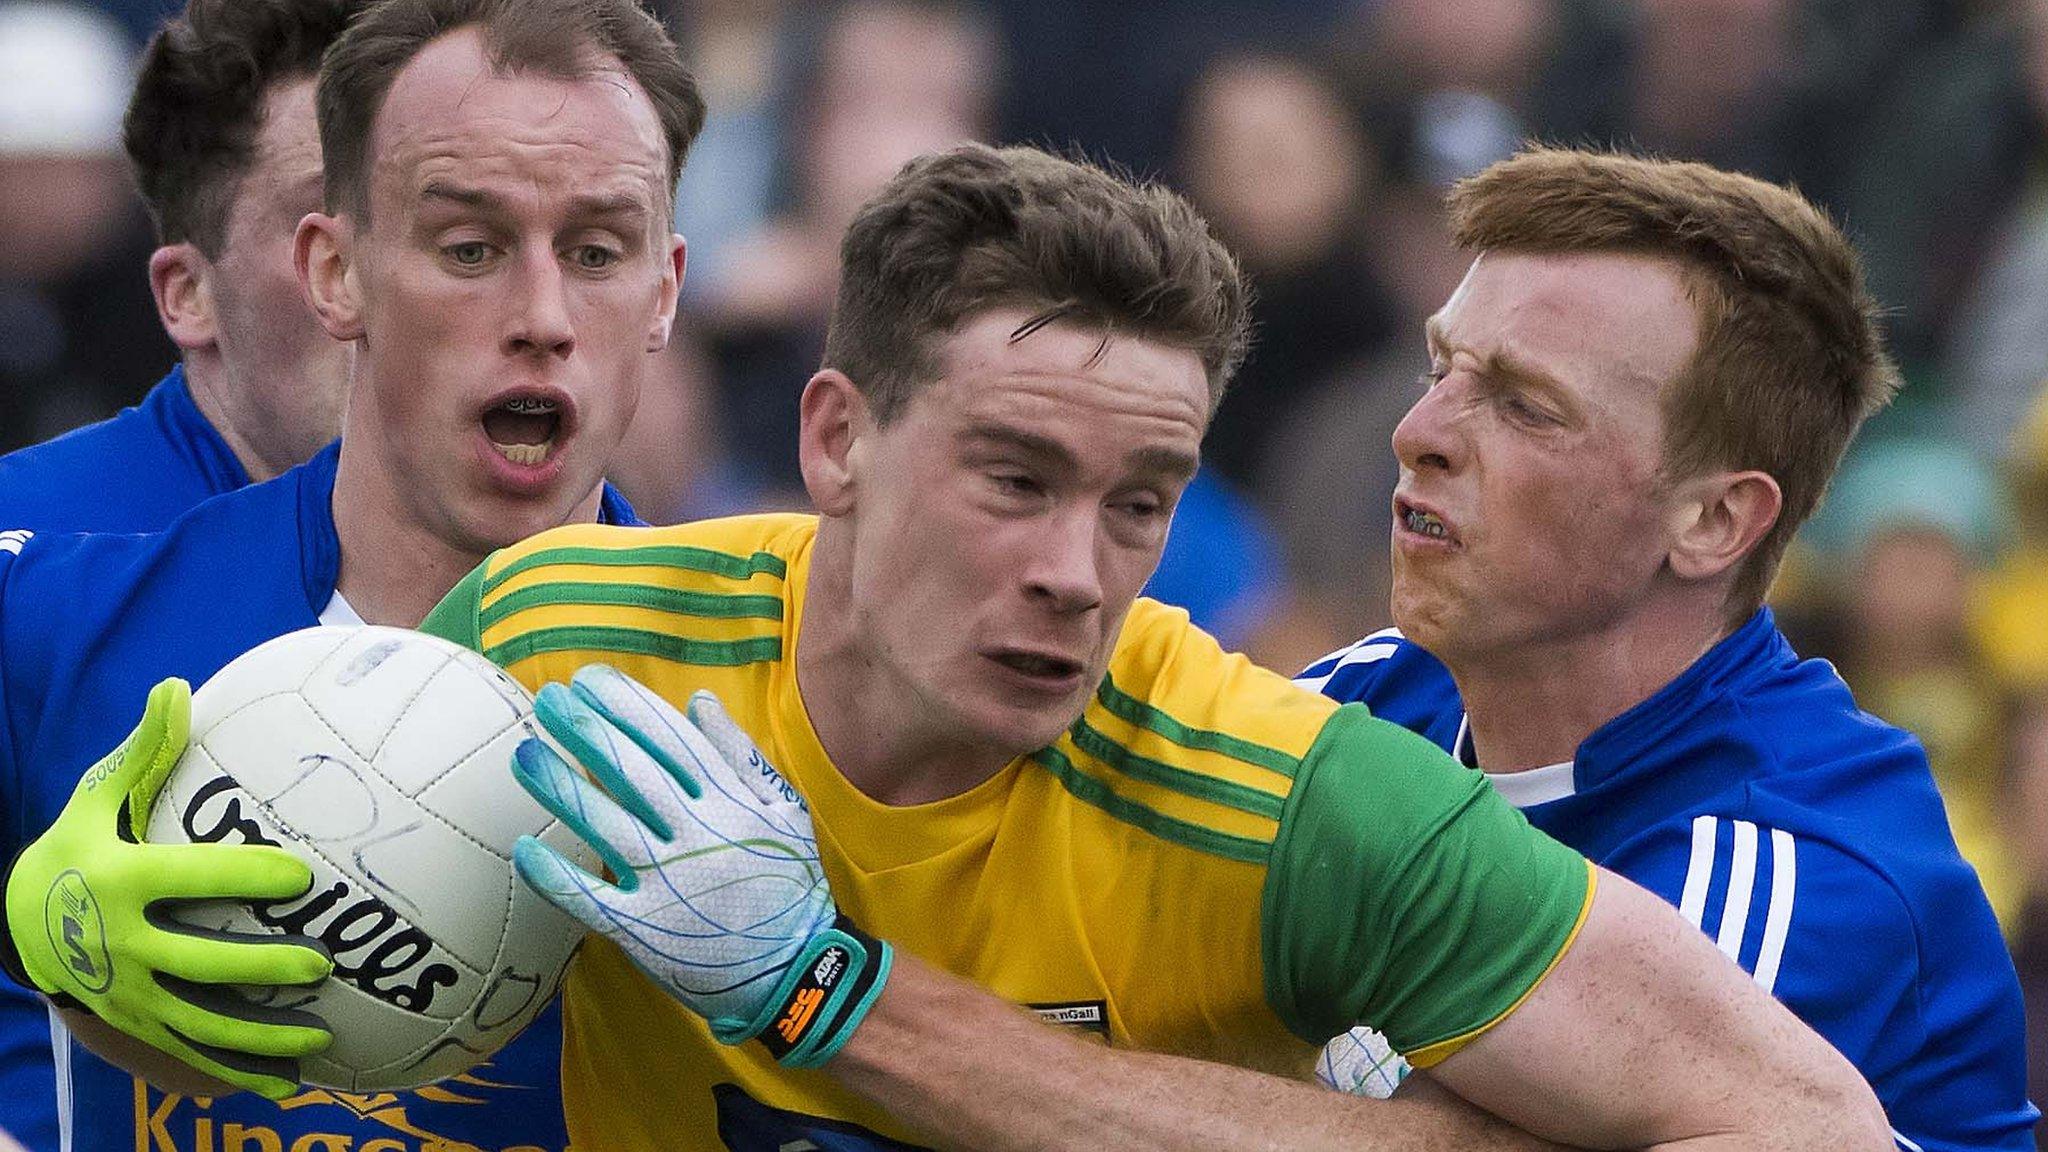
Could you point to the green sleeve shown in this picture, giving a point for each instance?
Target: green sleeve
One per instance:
(458, 614)
(1405, 894)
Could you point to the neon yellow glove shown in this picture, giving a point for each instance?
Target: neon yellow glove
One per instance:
(84, 923)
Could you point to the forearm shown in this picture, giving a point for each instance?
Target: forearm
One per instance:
(1645, 1036)
(972, 1072)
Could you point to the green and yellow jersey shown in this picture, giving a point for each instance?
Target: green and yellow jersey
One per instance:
(1209, 862)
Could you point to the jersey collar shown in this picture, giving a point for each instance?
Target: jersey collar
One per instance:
(1633, 738)
(193, 434)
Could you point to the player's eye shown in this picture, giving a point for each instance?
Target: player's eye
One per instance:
(467, 253)
(1015, 483)
(1523, 412)
(1432, 376)
(1142, 507)
(593, 257)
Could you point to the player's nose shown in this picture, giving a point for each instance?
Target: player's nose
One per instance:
(1065, 569)
(1430, 435)
(539, 323)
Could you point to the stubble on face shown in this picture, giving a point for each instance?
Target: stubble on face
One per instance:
(287, 379)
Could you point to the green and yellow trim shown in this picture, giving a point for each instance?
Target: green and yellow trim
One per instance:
(1207, 790)
(1436, 1053)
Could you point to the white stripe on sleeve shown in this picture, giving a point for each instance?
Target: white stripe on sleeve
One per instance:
(1692, 904)
(1741, 883)
(60, 1052)
(1778, 921)
(1370, 650)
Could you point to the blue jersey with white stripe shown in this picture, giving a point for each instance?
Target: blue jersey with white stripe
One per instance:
(134, 472)
(1800, 833)
(87, 624)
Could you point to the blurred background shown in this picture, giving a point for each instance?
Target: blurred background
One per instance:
(1318, 136)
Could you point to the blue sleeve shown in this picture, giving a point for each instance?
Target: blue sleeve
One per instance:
(28, 1088)
(1836, 942)
(28, 1079)
(1352, 673)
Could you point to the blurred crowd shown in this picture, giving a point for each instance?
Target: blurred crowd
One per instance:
(1318, 136)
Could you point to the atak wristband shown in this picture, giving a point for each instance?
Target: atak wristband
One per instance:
(825, 995)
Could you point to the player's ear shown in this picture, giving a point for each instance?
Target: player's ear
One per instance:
(1720, 519)
(181, 279)
(671, 287)
(832, 422)
(323, 251)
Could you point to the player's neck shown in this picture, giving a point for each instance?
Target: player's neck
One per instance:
(394, 568)
(1534, 705)
(206, 377)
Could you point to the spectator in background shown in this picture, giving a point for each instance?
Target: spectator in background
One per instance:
(743, 55)
(1998, 343)
(1712, 80)
(1278, 159)
(2010, 609)
(78, 335)
(1109, 77)
(1907, 529)
(2012, 602)
(893, 79)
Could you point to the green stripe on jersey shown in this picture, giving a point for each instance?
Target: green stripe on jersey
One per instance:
(651, 556)
(1229, 793)
(598, 640)
(1135, 711)
(1087, 788)
(724, 605)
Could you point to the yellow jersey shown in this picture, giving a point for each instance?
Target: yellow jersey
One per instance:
(1210, 862)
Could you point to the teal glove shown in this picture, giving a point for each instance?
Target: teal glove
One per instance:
(720, 897)
(83, 923)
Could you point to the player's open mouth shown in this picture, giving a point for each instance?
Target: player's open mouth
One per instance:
(1425, 524)
(1038, 666)
(524, 428)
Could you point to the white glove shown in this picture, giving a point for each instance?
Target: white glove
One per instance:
(719, 897)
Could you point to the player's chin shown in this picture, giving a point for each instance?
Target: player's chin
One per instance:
(504, 519)
(1022, 728)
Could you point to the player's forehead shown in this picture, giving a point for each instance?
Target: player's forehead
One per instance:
(1006, 365)
(452, 117)
(284, 174)
(288, 139)
(1587, 320)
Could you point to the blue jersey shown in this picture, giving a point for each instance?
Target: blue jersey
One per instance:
(74, 670)
(134, 472)
(1800, 833)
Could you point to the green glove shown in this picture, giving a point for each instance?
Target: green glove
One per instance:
(83, 920)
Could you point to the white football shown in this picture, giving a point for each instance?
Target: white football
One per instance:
(382, 757)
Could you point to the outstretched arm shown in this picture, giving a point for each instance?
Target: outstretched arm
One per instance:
(973, 1072)
(1643, 1036)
